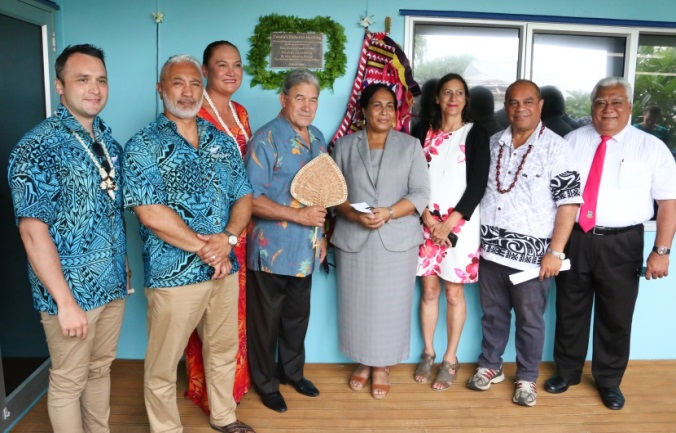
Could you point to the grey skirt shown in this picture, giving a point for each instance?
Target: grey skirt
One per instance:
(375, 296)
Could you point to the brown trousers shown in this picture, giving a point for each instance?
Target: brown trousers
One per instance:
(78, 399)
(173, 314)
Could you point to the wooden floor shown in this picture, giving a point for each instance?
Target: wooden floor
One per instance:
(649, 387)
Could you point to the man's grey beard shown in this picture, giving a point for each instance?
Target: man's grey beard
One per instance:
(178, 111)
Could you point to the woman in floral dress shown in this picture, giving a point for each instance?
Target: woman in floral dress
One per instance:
(458, 158)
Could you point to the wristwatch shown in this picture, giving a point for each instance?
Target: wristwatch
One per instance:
(232, 239)
(558, 255)
(661, 251)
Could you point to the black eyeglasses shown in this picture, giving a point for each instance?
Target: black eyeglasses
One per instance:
(98, 150)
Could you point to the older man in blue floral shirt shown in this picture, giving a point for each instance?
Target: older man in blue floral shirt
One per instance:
(282, 252)
(185, 181)
(63, 175)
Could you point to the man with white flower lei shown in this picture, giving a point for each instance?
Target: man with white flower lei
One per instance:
(68, 207)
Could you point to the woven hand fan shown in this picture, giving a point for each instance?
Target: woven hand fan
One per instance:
(319, 183)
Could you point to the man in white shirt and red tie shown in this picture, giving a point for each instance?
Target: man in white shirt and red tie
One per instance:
(622, 171)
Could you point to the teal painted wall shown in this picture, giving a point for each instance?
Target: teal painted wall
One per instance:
(128, 34)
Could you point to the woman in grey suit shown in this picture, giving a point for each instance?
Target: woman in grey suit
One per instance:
(376, 251)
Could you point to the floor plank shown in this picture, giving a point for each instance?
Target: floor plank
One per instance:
(649, 387)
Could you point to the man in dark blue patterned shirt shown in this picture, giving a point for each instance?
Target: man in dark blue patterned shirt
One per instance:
(186, 182)
(63, 175)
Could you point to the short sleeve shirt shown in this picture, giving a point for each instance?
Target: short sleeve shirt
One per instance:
(517, 226)
(53, 179)
(200, 185)
(637, 169)
(274, 156)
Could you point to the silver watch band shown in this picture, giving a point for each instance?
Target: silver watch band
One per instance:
(557, 254)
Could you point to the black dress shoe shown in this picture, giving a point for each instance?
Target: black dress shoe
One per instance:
(303, 386)
(274, 401)
(612, 397)
(558, 384)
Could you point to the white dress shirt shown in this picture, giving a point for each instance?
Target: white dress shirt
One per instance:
(638, 168)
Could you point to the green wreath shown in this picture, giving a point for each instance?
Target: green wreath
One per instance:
(335, 59)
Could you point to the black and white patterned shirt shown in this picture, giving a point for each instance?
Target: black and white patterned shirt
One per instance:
(517, 226)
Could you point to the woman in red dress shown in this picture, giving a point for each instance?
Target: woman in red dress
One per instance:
(222, 67)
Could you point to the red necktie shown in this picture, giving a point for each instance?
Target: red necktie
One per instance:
(587, 219)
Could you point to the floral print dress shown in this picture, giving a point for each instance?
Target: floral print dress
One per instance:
(445, 153)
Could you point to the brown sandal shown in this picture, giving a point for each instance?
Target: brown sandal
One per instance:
(381, 387)
(357, 382)
(444, 376)
(424, 368)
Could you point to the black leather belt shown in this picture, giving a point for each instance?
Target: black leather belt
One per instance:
(606, 231)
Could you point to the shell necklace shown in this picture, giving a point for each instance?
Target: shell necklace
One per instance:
(108, 183)
(220, 120)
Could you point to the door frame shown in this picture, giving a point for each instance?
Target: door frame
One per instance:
(40, 13)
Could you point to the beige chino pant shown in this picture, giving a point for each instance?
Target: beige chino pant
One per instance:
(173, 314)
(78, 399)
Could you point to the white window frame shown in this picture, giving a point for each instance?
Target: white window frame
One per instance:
(527, 29)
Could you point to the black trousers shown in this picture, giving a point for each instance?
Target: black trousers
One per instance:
(278, 313)
(603, 277)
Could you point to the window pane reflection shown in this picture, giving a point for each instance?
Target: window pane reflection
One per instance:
(570, 65)
(483, 56)
(655, 87)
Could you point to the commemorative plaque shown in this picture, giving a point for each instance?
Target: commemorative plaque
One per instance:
(296, 50)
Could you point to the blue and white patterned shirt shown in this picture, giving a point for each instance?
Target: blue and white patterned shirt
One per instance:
(200, 185)
(274, 156)
(516, 227)
(53, 179)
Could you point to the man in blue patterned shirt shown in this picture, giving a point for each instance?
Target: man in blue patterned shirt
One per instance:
(63, 175)
(185, 181)
(281, 251)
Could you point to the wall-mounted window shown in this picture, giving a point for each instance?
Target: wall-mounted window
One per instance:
(488, 56)
(569, 54)
(655, 85)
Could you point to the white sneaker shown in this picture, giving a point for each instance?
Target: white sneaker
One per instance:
(525, 394)
(484, 377)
